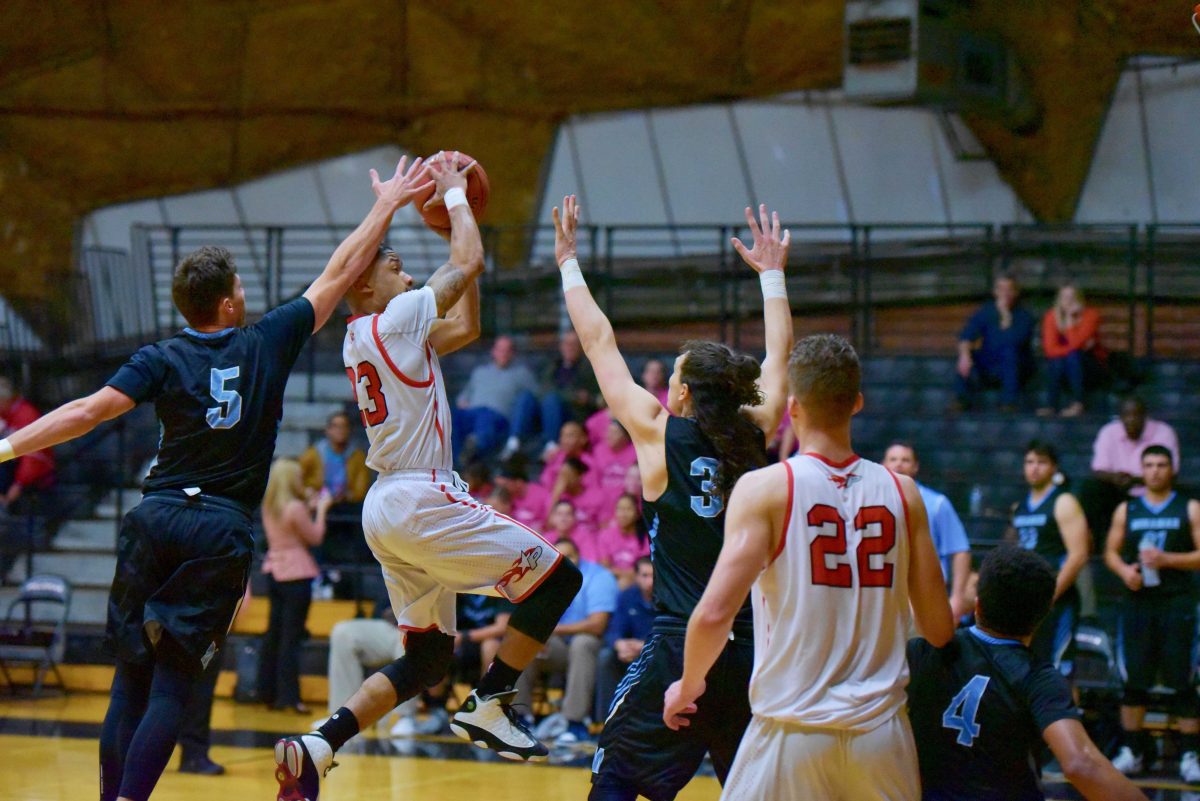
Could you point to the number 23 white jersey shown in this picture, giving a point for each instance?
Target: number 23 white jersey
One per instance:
(398, 384)
(831, 613)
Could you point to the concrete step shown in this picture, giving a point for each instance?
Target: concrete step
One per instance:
(82, 570)
(88, 605)
(87, 536)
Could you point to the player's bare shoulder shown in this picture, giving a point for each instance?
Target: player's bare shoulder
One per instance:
(764, 491)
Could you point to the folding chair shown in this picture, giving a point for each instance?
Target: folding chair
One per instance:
(32, 636)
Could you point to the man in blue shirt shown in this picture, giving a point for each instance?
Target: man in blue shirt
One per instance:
(575, 644)
(995, 348)
(627, 633)
(184, 552)
(949, 536)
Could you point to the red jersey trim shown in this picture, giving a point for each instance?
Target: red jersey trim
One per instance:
(903, 500)
(787, 515)
(392, 365)
(835, 465)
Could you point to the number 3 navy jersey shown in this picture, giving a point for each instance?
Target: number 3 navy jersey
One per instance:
(219, 398)
(978, 708)
(687, 522)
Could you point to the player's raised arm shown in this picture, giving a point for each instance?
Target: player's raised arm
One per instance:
(630, 404)
(768, 258)
(753, 526)
(926, 585)
(67, 422)
(357, 252)
(1072, 523)
(449, 283)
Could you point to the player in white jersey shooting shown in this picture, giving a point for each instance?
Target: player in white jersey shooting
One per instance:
(836, 549)
(431, 537)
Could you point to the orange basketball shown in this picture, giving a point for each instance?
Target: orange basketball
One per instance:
(477, 191)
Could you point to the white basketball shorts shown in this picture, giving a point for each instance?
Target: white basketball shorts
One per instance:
(433, 541)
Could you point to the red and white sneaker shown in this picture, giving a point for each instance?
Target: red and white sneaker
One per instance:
(300, 763)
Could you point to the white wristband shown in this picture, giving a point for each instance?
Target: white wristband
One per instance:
(773, 284)
(572, 276)
(6, 451)
(454, 198)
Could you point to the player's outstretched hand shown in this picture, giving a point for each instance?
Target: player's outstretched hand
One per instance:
(565, 225)
(770, 250)
(679, 702)
(404, 185)
(447, 174)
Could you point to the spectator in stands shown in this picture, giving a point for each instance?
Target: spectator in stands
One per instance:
(33, 471)
(530, 502)
(563, 524)
(572, 443)
(624, 541)
(994, 348)
(1074, 355)
(587, 500)
(1116, 460)
(627, 634)
(611, 460)
(597, 425)
(575, 645)
(500, 500)
(949, 536)
(485, 410)
(291, 530)
(654, 379)
(568, 392)
(336, 466)
(479, 480)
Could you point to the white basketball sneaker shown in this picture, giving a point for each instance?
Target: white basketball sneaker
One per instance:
(493, 723)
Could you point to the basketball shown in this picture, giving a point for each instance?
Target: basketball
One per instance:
(478, 189)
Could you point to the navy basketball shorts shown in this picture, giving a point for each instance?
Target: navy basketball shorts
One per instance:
(1156, 642)
(636, 749)
(182, 568)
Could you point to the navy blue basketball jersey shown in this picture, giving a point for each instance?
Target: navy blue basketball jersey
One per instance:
(1165, 527)
(978, 708)
(1038, 528)
(687, 522)
(219, 398)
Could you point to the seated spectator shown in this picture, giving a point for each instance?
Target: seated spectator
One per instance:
(21, 480)
(482, 418)
(611, 460)
(568, 392)
(633, 484)
(570, 486)
(597, 426)
(501, 501)
(479, 480)
(654, 379)
(291, 530)
(575, 645)
(572, 443)
(624, 541)
(530, 502)
(334, 465)
(563, 524)
(1074, 355)
(994, 348)
(1116, 461)
(627, 634)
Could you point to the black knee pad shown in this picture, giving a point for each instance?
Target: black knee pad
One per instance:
(537, 615)
(427, 659)
(1135, 697)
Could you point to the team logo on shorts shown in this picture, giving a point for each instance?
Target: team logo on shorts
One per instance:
(524, 564)
(847, 481)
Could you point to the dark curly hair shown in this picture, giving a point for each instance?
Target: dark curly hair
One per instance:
(721, 382)
(1016, 589)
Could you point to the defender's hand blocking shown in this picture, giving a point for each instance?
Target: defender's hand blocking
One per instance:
(400, 189)
(565, 226)
(447, 175)
(769, 251)
(678, 702)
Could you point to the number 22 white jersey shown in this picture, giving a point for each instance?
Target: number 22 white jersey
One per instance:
(831, 611)
(399, 386)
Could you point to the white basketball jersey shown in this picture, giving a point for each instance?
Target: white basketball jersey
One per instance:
(831, 610)
(399, 386)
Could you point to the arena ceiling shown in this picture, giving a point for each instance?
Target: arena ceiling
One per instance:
(103, 101)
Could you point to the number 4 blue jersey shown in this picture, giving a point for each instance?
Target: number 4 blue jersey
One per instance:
(219, 399)
(978, 708)
(687, 522)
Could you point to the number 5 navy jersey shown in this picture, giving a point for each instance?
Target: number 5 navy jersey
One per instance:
(687, 522)
(219, 398)
(978, 708)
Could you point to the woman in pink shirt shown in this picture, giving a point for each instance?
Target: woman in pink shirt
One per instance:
(291, 531)
(625, 541)
(654, 379)
(572, 442)
(563, 525)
